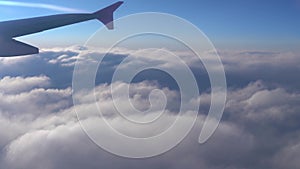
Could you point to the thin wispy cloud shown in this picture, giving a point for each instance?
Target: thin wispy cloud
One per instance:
(39, 5)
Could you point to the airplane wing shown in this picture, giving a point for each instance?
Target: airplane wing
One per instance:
(12, 29)
(11, 47)
(106, 15)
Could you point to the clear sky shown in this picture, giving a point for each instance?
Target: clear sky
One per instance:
(238, 24)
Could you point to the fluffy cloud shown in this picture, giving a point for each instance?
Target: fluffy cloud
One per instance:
(54, 136)
(14, 85)
(57, 140)
(287, 157)
(257, 102)
(48, 100)
(259, 129)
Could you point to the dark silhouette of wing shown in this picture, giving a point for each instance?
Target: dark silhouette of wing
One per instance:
(16, 28)
(12, 47)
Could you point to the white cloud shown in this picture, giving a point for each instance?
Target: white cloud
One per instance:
(56, 136)
(258, 102)
(288, 157)
(12, 61)
(251, 60)
(41, 129)
(27, 97)
(15, 85)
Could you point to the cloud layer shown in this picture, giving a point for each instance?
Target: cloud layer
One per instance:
(260, 127)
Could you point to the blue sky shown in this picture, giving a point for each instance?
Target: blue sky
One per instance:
(236, 24)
